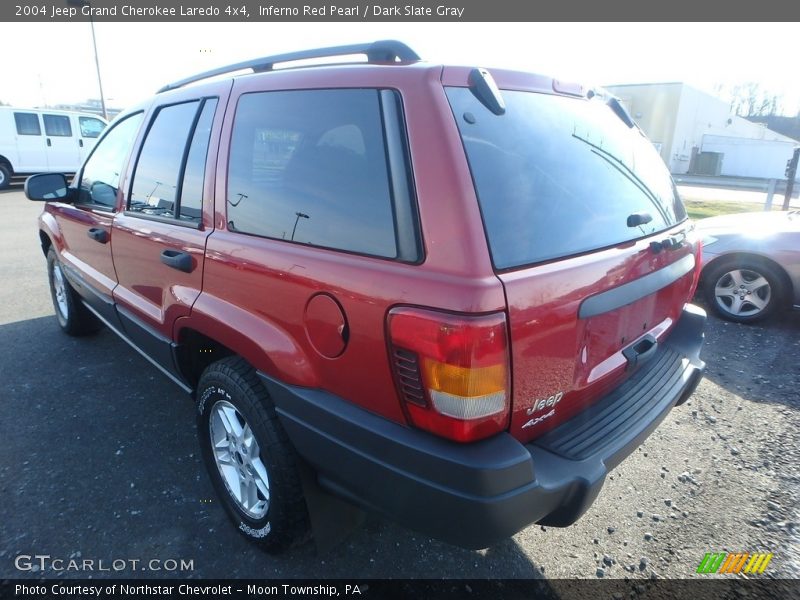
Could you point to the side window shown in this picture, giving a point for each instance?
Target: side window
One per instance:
(57, 126)
(155, 181)
(191, 197)
(27, 124)
(169, 173)
(101, 173)
(91, 128)
(311, 167)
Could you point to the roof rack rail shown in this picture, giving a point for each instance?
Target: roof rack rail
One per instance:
(380, 51)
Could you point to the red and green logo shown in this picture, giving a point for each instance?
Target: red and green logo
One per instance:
(743, 562)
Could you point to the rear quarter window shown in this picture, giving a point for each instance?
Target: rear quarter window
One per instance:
(557, 176)
(310, 167)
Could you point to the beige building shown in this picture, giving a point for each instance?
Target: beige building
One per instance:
(696, 132)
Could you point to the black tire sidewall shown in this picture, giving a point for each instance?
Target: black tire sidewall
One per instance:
(66, 323)
(213, 389)
(5, 177)
(768, 272)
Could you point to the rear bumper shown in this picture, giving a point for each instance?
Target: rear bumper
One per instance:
(475, 495)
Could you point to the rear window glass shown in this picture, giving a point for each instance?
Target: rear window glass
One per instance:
(559, 176)
(310, 167)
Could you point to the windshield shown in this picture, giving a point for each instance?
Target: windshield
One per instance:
(557, 176)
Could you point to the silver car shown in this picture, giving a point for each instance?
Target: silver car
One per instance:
(751, 263)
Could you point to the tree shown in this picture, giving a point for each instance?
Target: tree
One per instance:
(750, 99)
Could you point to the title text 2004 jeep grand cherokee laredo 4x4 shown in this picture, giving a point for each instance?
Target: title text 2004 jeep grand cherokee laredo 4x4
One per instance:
(459, 296)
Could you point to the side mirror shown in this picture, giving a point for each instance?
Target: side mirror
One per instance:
(46, 186)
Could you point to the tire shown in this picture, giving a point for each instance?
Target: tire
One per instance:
(257, 481)
(5, 176)
(744, 290)
(73, 317)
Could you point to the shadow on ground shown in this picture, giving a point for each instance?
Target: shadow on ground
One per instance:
(100, 462)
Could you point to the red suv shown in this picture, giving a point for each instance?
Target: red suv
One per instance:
(456, 297)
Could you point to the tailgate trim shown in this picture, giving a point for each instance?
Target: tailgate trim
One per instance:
(632, 291)
(621, 418)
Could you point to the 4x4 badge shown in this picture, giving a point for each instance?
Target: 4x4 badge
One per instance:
(537, 420)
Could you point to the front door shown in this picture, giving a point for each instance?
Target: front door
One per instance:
(85, 227)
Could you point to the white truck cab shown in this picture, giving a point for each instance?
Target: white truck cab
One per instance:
(34, 140)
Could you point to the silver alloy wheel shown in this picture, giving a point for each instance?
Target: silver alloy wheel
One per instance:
(238, 458)
(60, 289)
(742, 292)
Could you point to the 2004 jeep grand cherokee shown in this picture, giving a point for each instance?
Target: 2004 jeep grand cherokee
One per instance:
(459, 296)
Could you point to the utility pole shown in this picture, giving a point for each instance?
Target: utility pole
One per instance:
(791, 173)
(299, 216)
(81, 3)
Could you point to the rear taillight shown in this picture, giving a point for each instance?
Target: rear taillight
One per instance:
(451, 371)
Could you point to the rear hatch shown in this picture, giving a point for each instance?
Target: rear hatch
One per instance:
(588, 236)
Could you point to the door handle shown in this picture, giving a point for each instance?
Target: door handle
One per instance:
(98, 234)
(80, 143)
(641, 351)
(49, 143)
(182, 261)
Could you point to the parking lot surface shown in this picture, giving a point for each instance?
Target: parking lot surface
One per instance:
(99, 461)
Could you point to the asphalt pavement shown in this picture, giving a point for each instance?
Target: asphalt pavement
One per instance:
(99, 462)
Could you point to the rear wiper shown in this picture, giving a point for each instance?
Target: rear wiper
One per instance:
(638, 219)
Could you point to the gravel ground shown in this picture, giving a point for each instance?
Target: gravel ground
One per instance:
(720, 474)
(100, 461)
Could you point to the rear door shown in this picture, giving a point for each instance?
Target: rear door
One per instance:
(160, 238)
(62, 143)
(572, 200)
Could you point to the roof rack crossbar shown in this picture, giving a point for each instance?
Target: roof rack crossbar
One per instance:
(380, 51)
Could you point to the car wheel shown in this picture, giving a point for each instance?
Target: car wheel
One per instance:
(73, 317)
(5, 176)
(744, 290)
(249, 458)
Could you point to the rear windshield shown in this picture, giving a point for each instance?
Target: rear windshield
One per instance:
(557, 176)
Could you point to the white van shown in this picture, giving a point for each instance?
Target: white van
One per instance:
(34, 140)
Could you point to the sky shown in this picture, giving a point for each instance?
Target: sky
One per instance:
(54, 62)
